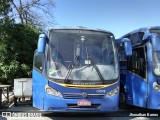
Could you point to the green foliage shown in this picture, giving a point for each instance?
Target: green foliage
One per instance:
(17, 45)
(4, 6)
(4, 10)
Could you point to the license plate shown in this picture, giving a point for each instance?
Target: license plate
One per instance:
(84, 103)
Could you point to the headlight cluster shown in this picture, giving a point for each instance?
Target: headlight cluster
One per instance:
(157, 69)
(156, 87)
(113, 92)
(52, 91)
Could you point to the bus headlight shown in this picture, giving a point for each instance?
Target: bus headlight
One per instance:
(156, 87)
(52, 91)
(112, 92)
(157, 69)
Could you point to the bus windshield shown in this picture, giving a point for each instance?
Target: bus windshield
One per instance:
(156, 56)
(156, 63)
(81, 55)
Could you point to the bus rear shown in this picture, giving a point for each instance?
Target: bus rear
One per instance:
(76, 70)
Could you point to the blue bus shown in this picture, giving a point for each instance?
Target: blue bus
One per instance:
(140, 72)
(76, 70)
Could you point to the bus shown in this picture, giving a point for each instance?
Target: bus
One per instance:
(76, 70)
(140, 72)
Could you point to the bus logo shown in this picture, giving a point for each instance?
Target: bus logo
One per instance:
(84, 94)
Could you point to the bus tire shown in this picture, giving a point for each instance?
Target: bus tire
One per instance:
(15, 101)
(31, 101)
(122, 99)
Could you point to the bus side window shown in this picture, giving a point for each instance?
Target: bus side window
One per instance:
(38, 61)
(136, 63)
(129, 63)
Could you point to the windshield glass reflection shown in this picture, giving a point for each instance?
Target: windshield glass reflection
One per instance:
(86, 55)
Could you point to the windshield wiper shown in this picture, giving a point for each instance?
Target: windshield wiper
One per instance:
(97, 69)
(71, 66)
(94, 65)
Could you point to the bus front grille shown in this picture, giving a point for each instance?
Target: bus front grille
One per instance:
(76, 106)
(81, 96)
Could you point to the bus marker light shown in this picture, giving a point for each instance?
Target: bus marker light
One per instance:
(156, 87)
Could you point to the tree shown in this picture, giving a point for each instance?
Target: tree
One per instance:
(17, 45)
(38, 13)
(4, 10)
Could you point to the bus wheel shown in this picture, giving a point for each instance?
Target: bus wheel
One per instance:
(122, 97)
(15, 101)
(31, 101)
(122, 100)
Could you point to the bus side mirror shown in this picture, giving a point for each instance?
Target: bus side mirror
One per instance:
(127, 46)
(156, 43)
(38, 61)
(41, 43)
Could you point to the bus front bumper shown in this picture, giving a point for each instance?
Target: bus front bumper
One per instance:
(56, 104)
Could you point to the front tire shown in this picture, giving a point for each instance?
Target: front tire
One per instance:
(122, 99)
(15, 101)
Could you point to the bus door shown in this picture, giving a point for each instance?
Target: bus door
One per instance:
(122, 63)
(136, 80)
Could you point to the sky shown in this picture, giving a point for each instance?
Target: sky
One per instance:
(116, 16)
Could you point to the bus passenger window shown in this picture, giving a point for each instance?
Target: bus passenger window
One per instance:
(129, 63)
(136, 63)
